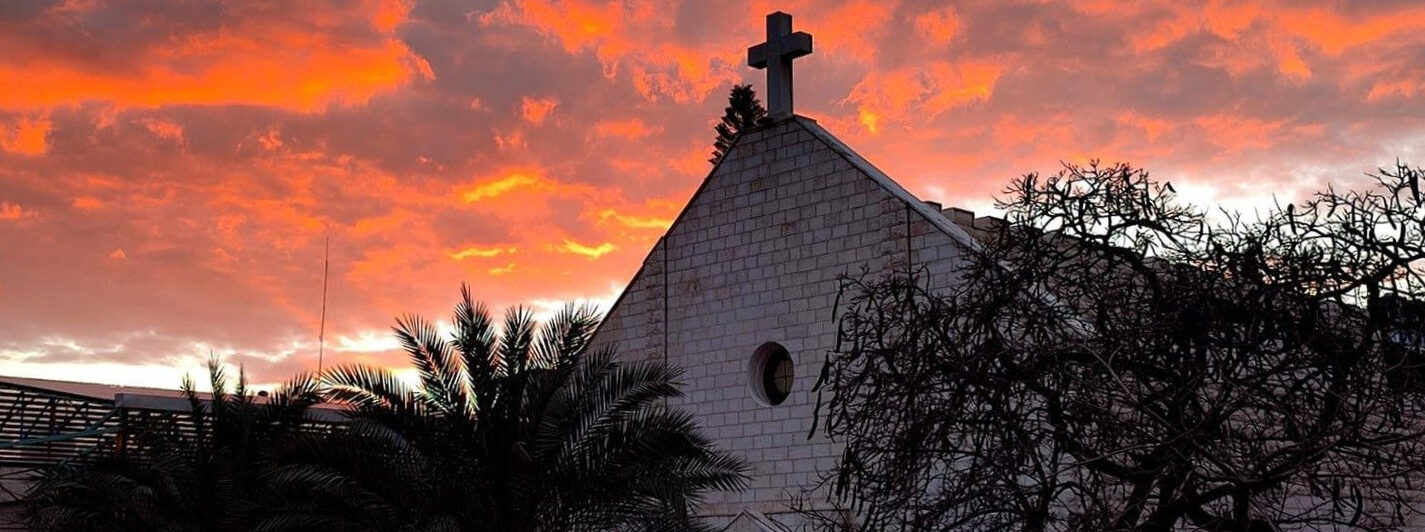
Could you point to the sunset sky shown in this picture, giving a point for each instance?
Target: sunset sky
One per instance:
(170, 170)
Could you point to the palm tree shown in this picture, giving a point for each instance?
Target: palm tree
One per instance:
(199, 475)
(523, 428)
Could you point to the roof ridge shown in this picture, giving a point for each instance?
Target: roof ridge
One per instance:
(931, 214)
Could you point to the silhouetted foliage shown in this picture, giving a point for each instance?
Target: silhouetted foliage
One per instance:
(511, 428)
(744, 111)
(1114, 360)
(515, 428)
(199, 476)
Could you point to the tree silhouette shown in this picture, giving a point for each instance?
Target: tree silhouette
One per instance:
(1112, 359)
(743, 112)
(513, 427)
(201, 474)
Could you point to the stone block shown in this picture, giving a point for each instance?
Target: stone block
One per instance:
(762, 245)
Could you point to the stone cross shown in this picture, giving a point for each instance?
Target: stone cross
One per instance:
(776, 56)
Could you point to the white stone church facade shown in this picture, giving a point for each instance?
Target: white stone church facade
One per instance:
(741, 292)
(750, 268)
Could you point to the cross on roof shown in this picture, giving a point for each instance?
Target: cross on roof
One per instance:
(776, 56)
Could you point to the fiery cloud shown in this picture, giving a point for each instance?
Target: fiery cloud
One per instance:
(11, 211)
(257, 53)
(497, 187)
(923, 91)
(479, 252)
(632, 128)
(171, 172)
(634, 36)
(592, 252)
(939, 26)
(635, 222)
(535, 110)
(27, 136)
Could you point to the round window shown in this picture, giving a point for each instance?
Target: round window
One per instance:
(770, 374)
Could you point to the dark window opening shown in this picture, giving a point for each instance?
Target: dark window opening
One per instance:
(772, 374)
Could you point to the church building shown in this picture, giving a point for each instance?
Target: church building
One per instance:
(741, 291)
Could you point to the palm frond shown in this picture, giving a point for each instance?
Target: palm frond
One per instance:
(516, 340)
(442, 385)
(368, 388)
(475, 340)
(324, 482)
(287, 406)
(196, 406)
(218, 382)
(563, 338)
(603, 393)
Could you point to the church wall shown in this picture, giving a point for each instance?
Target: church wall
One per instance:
(755, 258)
(934, 256)
(635, 326)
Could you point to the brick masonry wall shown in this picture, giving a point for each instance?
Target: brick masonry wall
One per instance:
(755, 258)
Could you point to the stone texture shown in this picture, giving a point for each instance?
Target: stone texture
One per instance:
(754, 258)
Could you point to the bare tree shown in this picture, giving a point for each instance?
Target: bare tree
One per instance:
(1115, 360)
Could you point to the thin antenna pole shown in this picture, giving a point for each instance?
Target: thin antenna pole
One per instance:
(322, 331)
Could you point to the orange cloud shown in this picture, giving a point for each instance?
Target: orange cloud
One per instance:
(939, 26)
(635, 222)
(1334, 33)
(869, 120)
(87, 203)
(923, 92)
(1152, 128)
(304, 58)
(1047, 133)
(163, 129)
(511, 141)
(28, 136)
(954, 86)
(593, 252)
(270, 140)
(497, 187)
(682, 74)
(480, 252)
(576, 24)
(1280, 30)
(850, 29)
(1400, 88)
(1229, 20)
(1289, 62)
(1165, 31)
(222, 146)
(635, 36)
(11, 211)
(1233, 133)
(308, 82)
(535, 110)
(631, 128)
